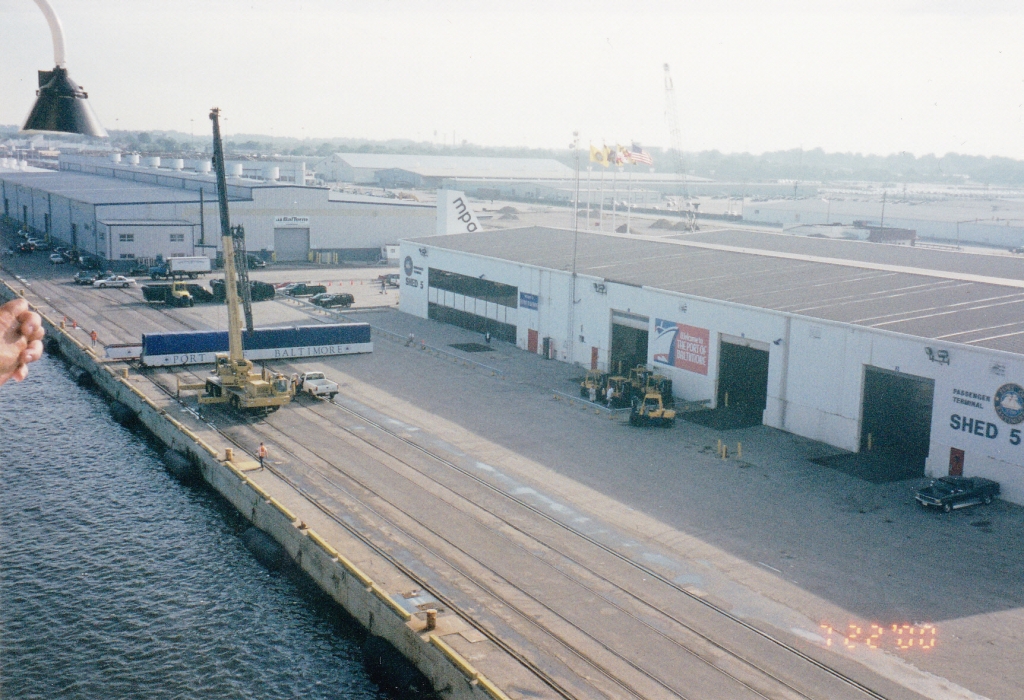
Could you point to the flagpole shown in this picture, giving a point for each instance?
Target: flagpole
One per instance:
(600, 210)
(589, 169)
(629, 200)
(615, 193)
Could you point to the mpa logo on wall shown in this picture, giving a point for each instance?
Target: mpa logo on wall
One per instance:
(1009, 403)
(408, 265)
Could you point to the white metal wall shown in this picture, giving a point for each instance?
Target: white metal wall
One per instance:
(816, 368)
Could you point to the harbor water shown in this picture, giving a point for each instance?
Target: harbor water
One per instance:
(116, 581)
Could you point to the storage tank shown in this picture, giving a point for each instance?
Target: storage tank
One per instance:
(115, 157)
(235, 170)
(153, 162)
(133, 159)
(203, 166)
(271, 172)
(176, 164)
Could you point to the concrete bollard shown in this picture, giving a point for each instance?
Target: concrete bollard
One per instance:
(431, 619)
(229, 454)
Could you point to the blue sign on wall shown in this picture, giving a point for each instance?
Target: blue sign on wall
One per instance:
(528, 301)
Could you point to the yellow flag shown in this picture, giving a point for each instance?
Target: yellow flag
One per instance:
(599, 155)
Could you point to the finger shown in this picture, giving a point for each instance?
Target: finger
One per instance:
(31, 325)
(19, 374)
(32, 353)
(15, 307)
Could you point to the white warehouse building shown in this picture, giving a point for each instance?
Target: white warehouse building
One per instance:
(911, 360)
(122, 212)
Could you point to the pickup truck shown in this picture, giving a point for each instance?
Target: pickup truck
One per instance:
(317, 384)
(301, 289)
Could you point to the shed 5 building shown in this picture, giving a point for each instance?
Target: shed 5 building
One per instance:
(911, 359)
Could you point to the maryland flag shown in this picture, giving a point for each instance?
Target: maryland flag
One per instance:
(599, 155)
(622, 155)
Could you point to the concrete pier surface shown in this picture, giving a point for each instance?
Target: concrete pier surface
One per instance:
(568, 554)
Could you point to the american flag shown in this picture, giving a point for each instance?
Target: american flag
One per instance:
(637, 155)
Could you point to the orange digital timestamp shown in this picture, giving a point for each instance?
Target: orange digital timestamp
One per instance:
(895, 636)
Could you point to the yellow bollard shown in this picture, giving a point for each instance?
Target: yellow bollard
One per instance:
(229, 454)
(739, 450)
(725, 452)
(869, 442)
(719, 447)
(124, 372)
(727, 399)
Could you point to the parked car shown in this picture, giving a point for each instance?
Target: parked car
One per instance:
(391, 280)
(26, 248)
(328, 300)
(951, 492)
(85, 277)
(301, 289)
(255, 262)
(56, 258)
(115, 281)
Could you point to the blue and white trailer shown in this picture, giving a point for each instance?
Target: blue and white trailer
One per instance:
(294, 342)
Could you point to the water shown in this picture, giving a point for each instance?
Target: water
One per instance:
(118, 582)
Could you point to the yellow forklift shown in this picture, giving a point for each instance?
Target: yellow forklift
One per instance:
(233, 380)
(651, 411)
(596, 380)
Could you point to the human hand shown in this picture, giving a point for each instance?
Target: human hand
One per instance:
(21, 339)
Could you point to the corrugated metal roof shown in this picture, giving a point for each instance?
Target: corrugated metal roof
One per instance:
(95, 189)
(460, 166)
(931, 294)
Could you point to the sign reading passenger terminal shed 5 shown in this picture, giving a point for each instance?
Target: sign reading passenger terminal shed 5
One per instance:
(992, 418)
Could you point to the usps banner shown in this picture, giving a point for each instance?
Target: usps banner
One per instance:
(528, 301)
(681, 346)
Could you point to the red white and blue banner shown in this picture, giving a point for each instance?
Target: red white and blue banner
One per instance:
(681, 346)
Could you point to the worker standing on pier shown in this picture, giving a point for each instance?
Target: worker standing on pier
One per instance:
(94, 336)
(262, 452)
(21, 339)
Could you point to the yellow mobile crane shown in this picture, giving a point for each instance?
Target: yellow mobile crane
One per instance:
(233, 379)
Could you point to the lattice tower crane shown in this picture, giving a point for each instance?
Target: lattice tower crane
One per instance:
(672, 117)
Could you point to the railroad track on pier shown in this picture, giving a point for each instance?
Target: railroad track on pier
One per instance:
(747, 676)
(740, 674)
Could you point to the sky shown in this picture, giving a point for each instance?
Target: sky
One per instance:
(864, 77)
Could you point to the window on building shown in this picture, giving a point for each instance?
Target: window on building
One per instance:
(494, 292)
(102, 236)
(127, 256)
(127, 238)
(177, 238)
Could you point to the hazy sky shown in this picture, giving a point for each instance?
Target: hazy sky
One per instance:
(870, 77)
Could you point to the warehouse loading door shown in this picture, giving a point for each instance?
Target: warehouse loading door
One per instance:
(629, 342)
(291, 244)
(743, 381)
(897, 420)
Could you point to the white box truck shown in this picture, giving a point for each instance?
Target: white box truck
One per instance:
(190, 267)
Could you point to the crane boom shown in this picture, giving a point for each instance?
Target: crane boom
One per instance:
(672, 117)
(230, 275)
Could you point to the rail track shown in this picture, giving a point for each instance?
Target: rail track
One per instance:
(738, 674)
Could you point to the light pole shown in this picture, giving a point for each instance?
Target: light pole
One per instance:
(571, 337)
(61, 103)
